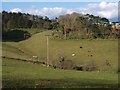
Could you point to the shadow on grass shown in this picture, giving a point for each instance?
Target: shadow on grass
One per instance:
(15, 35)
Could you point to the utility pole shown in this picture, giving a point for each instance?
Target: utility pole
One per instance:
(47, 61)
(47, 51)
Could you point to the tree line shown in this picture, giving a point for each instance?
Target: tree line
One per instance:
(69, 26)
(21, 20)
(75, 26)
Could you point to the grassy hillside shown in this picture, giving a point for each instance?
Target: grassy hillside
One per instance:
(97, 50)
(11, 49)
(33, 30)
(19, 74)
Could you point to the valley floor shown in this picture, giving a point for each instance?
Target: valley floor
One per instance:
(19, 74)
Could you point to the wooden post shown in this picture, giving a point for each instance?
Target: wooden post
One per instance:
(47, 52)
(47, 46)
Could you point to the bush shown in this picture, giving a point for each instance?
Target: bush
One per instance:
(76, 35)
(67, 64)
(79, 68)
(106, 65)
(90, 66)
(64, 64)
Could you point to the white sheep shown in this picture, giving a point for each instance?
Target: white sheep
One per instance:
(35, 56)
(73, 55)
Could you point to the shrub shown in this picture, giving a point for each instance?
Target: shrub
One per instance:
(76, 35)
(90, 66)
(67, 64)
(79, 68)
(64, 64)
(106, 65)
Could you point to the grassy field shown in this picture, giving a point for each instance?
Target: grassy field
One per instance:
(11, 49)
(33, 30)
(19, 74)
(22, 74)
(101, 50)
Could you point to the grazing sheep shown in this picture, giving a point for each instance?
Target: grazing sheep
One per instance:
(81, 47)
(98, 71)
(91, 55)
(35, 56)
(43, 65)
(73, 55)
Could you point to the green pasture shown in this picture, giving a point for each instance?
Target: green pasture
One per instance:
(101, 50)
(19, 74)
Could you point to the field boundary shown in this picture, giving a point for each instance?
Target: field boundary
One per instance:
(26, 60)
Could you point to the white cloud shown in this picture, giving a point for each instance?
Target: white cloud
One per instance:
(16, 10)
(50, 12)
(103, 5)
(103, 9)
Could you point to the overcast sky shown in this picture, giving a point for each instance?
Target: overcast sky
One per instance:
(55, 9)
